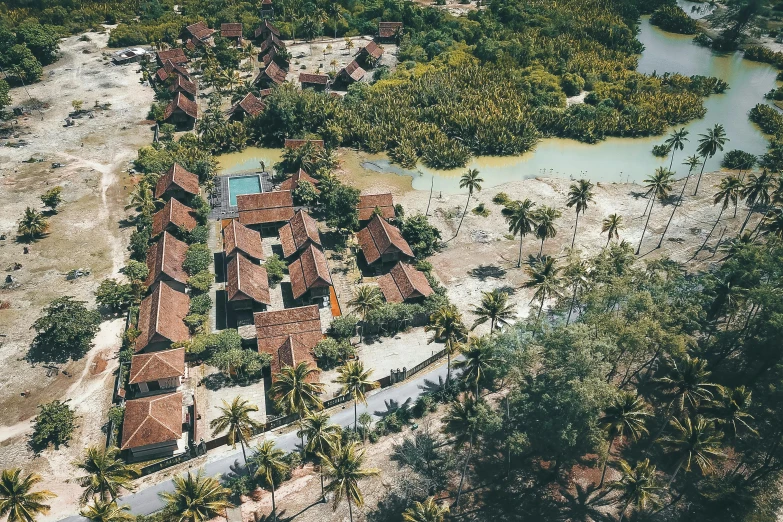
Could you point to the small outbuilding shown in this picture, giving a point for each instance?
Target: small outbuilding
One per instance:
(389, 31)
(319, 82)
(300, 175)
(232, 31)
(250, 105)
(178, 183)
(291, 143)
(181, 111)
(381, 242)
(161, 319)
(152, 427)
(128, 56)
(157, 372)
(404, 283)
(371, 204)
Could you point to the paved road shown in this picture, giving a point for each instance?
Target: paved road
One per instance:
(148, 500)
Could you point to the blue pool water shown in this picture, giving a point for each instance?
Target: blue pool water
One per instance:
(242, 185)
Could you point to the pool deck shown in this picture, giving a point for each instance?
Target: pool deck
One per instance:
(221, 205)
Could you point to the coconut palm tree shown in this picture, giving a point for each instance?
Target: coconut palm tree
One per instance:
(17, 500)
(693, 443)
(462, 424)
(477, 359)
(757, 192)
(427, 511)
(344, 465)
(33, 224)
(575, 274)
(355, 380)
(545, 278)
(142, 199)
(659, 185)
(625, 415)
(676, 141)
(728, 192)
(544, 218)
(447, 326)
(579, 195)
(638, 486)
(235, 419)
(692, 162)
(519, 216)
(366, 298)
(709, 144)
(494, 308)
(106, 511)
(321, 435)
(686, 381)
(612, 224)
(294, 391)
(269, 461)
(107, 473)
(471, 181)
(773, 222)
(729, 410)
(196, 498)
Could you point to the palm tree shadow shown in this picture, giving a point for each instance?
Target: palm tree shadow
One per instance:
(280, 517)
(393, 406)
(432, 386)
(586, 504)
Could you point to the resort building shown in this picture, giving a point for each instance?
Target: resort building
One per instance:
(310, 278)
(173, 217)
(404, 283)
(381, 242)
(265, 30)
(299, 233)
(232, 31)
(198, 33)
(164, 261)
(289, 336)
(351, 73)
(247, 285)
(238, 239)
(178, 183)
(267, 211)
(181, 112)
(184, 86)
(292, 183)
(157, 372)
(175, 56)
(152, 427)
(247, 106)
(389, 31)
(369, 203)
(161, 316)
(319, 82)
(170, 69)
(369, 55)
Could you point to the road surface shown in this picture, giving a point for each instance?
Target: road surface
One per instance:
(146, 501)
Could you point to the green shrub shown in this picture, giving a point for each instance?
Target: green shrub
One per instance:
(200, 304)
(481, 210)
(343, 328)
(331, 353)
(275, 268)
(661, 151)
(202, 281)
(572, 84)
(673, 19)
(54, 424)
(197, 259)
(501, 198)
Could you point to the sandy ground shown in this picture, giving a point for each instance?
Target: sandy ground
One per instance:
(85, 233)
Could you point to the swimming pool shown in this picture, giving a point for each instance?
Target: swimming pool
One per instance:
(242, 185)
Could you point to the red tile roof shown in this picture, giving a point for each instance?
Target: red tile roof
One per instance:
(273, 328)
(178, 177)
(273, 72)
(379, 238)
(148, 367)
(247, 280)
(200, 31)
(176, 56)
(160, 316)
(294, 350)
(267, 207)
(238, 238)
(181, 103)
(293, 182)
(369, 202)
(251, 105)
(165, 258)
(182, 84)
(308, 271)
(353, 71)
(388, 29)
(372, 49)
(170, 68)
(404, 282)
(318, 79)
(176, 214)
(233, 30)
(152, 420)
(300, 231)
(265, 26)
(263, 93)
(291, 143)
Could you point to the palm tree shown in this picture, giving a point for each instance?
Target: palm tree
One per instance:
(773, 222)
(477, 360)
(142, 199)
(729, 410)
(693, 443)
(638, 486)
(106, 511)
(545, 218)
(196, 498)
(519, 216)
(626, 414)
(17, 500)
(756, 193)
(612, 224)
(107, 473)
(545, 278)
(366, 298)
(692, 162)
(321, 435)
(355, 380)
(427, 511)
(447, 325)
(676, 141)
(33, 224)
(728, 192)
(269, 460)
(461, 422)
(659, 185)
(494, 308)
(686, 381)
(294, 391)
(709, 144)
(579, 195)
(471, 181)
(235, 418)
(576, 277)
(344, 466)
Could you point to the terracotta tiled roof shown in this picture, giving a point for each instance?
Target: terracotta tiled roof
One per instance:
(200, 31)
(273, 328)
(353, 71)
(262, 216)
(238, 238)
(263, 93)
(273, 73)
(291, 143)
(267, 207)
(189, 45)
(294, 350)
(319, 79)
(170, 68)
(404, 282)
(165, 258)
(300, 231)
(379, 238)
(247, 280)
(176, 214)
(266, 2)
(176, 56)
(251, 105)
(148, 367)
(271, 44)
(293, 182)
(233, 30)
(182, 84)
(369, 202)
(177, 176)
(388, 29)
(372, 49)
(152, 420)
(308, 271)
(182, 103)
(266, 25)
(160, 316)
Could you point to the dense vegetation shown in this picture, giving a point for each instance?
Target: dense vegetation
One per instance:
(673, 19)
